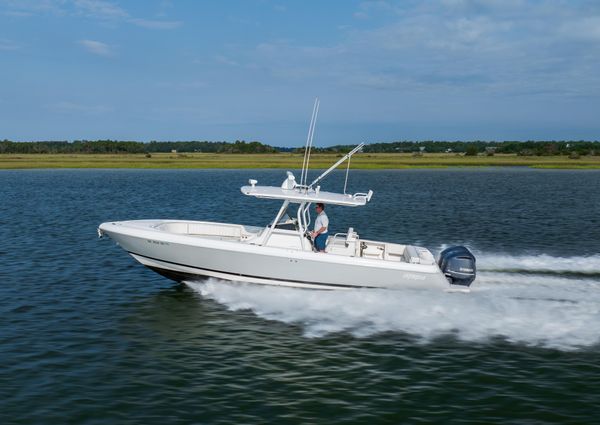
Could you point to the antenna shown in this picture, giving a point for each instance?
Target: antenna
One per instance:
(309, 141)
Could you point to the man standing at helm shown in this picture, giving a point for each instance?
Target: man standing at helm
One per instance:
(319, 235)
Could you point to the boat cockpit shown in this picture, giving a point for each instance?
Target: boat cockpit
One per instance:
(285, 235)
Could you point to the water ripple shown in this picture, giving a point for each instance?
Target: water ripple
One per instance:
(89, 336)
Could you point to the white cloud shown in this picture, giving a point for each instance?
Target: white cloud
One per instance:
(8, 45)
(96, 47)
(368, 8)
(16, 13)
(479, 48)
(99, 9)
(95, 9)
(586, 28)
(154, 24)
(23, 8)
(226, 61)
(285, 60)
(190, 85)
(65, 106)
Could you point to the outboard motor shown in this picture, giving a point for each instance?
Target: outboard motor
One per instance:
(458, 265)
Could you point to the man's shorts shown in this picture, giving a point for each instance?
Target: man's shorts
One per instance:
(320, 241)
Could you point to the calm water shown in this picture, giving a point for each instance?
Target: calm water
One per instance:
(89, 336)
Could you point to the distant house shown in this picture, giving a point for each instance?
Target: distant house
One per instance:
(173, 150)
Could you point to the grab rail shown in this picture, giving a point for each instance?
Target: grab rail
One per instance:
(335, 238)
(367, 196)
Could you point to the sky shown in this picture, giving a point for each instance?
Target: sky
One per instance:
(251, 69)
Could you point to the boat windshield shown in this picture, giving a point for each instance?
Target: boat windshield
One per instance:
(288, 220)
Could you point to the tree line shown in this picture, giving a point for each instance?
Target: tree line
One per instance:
(538, 147)
(115, 146)
(562, 147)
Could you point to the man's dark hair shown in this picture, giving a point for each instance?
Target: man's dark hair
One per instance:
(321, 205)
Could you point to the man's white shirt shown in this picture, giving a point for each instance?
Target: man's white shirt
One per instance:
(321, 221)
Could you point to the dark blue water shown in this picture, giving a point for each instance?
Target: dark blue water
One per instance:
(87, 335)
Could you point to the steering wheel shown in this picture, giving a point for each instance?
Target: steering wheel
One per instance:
(307, 236)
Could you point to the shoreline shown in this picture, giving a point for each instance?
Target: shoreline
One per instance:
(371, 161)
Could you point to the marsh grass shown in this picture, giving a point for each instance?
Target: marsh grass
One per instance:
(288, 161)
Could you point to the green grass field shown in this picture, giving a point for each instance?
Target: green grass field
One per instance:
(286, 160)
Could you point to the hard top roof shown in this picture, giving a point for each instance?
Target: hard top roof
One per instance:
(300, 195)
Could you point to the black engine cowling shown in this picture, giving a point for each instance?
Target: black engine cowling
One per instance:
(458, 265)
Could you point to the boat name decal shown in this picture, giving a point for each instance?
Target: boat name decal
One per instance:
(157, 242)
(413, 276)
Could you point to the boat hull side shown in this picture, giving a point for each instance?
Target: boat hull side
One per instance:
(181, 273)
(176, 256)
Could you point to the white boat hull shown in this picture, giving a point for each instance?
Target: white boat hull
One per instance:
(193, 257)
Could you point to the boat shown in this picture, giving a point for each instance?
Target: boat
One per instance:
(282, 252)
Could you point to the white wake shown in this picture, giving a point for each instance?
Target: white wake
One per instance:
(523, 307)
(540, 263)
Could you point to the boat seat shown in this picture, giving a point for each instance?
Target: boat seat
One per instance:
(411, 255)
(213, 229)
(394, 252)
(375, 252)
(425, 256)
(343, 246)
